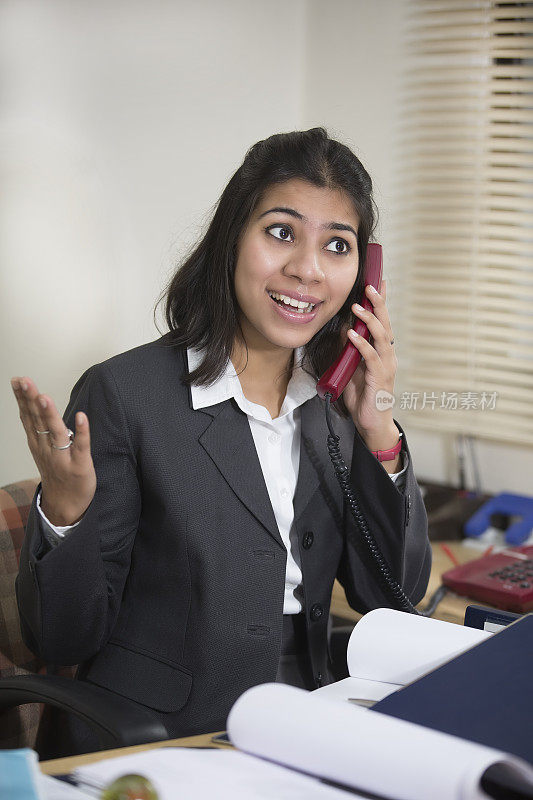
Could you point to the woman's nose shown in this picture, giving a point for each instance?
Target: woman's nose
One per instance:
(305, 266)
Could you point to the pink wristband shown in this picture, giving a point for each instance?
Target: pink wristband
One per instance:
(388, 455)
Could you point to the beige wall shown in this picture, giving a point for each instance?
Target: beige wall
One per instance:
(122, 123)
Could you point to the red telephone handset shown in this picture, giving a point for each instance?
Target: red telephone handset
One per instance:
(335, 379)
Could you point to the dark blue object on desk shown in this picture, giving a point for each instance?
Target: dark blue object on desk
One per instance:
(484, 695)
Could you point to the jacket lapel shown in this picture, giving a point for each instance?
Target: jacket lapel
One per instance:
(229, 442)
(310, 467)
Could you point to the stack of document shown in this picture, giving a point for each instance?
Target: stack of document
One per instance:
(389, 649)
(297, 749)
(299, 745)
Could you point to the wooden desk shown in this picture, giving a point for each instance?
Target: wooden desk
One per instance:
(60, 766)
(451, 608)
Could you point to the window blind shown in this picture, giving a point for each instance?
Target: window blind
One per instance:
(463, 243)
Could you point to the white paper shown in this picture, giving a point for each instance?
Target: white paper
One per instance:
(359, 747)
(52, 789)
(208, 774)
(396, 647)
(358, 688)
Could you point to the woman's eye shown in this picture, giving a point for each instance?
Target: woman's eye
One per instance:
(339, 246)
(280, 232)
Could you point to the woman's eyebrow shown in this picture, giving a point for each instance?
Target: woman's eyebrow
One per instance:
(330, 226)
(340, 226)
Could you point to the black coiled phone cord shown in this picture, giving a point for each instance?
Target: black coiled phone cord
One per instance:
(392, 587)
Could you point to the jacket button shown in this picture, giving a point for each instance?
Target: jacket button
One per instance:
(316, 612)
(308, 540)
(318, 680)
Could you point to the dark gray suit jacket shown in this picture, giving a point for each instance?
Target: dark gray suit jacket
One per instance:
(170, 590)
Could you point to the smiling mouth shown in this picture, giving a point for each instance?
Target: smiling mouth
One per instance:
(298, 306)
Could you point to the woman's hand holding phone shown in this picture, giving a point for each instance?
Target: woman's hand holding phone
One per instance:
(376, 373)
(67, 475)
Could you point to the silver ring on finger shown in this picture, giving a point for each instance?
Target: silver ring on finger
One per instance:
(64, 446)
(41, 433)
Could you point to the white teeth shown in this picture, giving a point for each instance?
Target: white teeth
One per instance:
(299, 305)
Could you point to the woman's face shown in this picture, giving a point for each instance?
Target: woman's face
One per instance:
(299, 247)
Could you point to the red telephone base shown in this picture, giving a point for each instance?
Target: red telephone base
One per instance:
(504, 580)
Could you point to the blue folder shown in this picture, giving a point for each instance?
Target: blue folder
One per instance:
(484, 695)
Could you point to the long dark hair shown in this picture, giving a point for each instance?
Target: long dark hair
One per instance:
(201, 309)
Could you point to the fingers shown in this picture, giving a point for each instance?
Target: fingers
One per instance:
(377, 320)
(81, 447)
(39, 413)
(379, 356)
(380, 310)
(52, 419)
(368, 352)
(26, 393)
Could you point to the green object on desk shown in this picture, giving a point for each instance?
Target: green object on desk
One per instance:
(130, 787)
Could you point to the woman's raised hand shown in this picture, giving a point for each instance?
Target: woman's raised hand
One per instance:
(65, 464)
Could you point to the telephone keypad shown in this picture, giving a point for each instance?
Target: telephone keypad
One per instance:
(519, 572)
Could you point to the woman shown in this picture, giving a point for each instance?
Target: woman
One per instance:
(208, 524)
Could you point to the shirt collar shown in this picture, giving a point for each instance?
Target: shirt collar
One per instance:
(302, 387)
